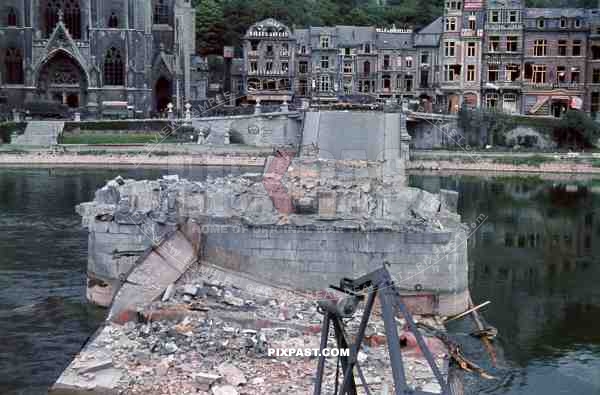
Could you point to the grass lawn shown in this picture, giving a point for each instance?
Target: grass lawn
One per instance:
(113, 139)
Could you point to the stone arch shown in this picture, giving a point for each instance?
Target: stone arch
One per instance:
(60, 76)
(163, 93)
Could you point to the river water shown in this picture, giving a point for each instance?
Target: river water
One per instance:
(536, 257)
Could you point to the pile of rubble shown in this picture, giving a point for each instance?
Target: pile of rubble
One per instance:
(217, 333)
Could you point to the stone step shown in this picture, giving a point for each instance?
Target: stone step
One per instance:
(40, 133)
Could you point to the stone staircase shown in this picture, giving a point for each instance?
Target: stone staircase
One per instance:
(40, 133)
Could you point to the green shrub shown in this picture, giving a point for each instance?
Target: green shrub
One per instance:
(8, 128)
(496, 124)
(99, 139)
(576, 130)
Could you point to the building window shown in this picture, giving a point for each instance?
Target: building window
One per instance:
(254, 66)
(303, 67)
(561, 74)
(285, 67)
(270, 51)
(366, 67)
(541, 23)
(161, 12)
(386, 83)
(449, 47)
(386, 62)
(562, 47)
(471, 72)
(409, 62)
(408, 83)
(494, 43)
(512, 43)
(575, 75)
(491, 101)
(269, 66)
(347, 67)
(563, 22)
(513, 16)
(325, 42)
(472, 23)
(471, 49)
(367, 48)
(450, 24)
(451, 72)
(324, 83)
(539, 73)
(540, 47)
(303, 49)
(595, 102)
(113, 68)
(424, 80)
(595, 52)
(14, 66)
(596, 76)
(325, 62)
(493, 72)
(71, 16)
(494, 16)
(425, 58)
(576, 48)
(113, 21)
(11, 17)
(513, 72)
(577, 23)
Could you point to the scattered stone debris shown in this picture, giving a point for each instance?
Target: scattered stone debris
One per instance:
(216, 340)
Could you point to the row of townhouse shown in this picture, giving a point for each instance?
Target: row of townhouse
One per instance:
(494, 54)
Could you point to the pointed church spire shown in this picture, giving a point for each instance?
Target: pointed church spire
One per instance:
(60, 15)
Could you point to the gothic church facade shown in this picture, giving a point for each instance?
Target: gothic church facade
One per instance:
(91, 54)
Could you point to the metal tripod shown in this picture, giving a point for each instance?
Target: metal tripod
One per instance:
(377, 283)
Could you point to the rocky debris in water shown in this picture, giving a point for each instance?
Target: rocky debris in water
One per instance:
(212, 346)
(357, 195)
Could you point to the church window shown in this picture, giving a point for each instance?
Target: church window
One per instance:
(113, 68)
(14, 66)
(161, 12)
(113, 21)
(71, 15)
(11, 17)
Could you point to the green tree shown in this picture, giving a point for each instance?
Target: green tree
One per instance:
(210, 27)
(576, 130)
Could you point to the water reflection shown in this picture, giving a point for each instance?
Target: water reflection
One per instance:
(44, 317)
(537, 259)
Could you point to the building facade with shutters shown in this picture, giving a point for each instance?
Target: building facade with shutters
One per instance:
(95, 54)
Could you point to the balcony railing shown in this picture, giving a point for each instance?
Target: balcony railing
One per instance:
(503, 26)
(553, 85)
(472, 33)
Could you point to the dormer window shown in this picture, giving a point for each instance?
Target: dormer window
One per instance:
(303, 49)
(11, 17)
(325, 42)
(451, 24)
(541, 23)
(563, 22)
(367, 48)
